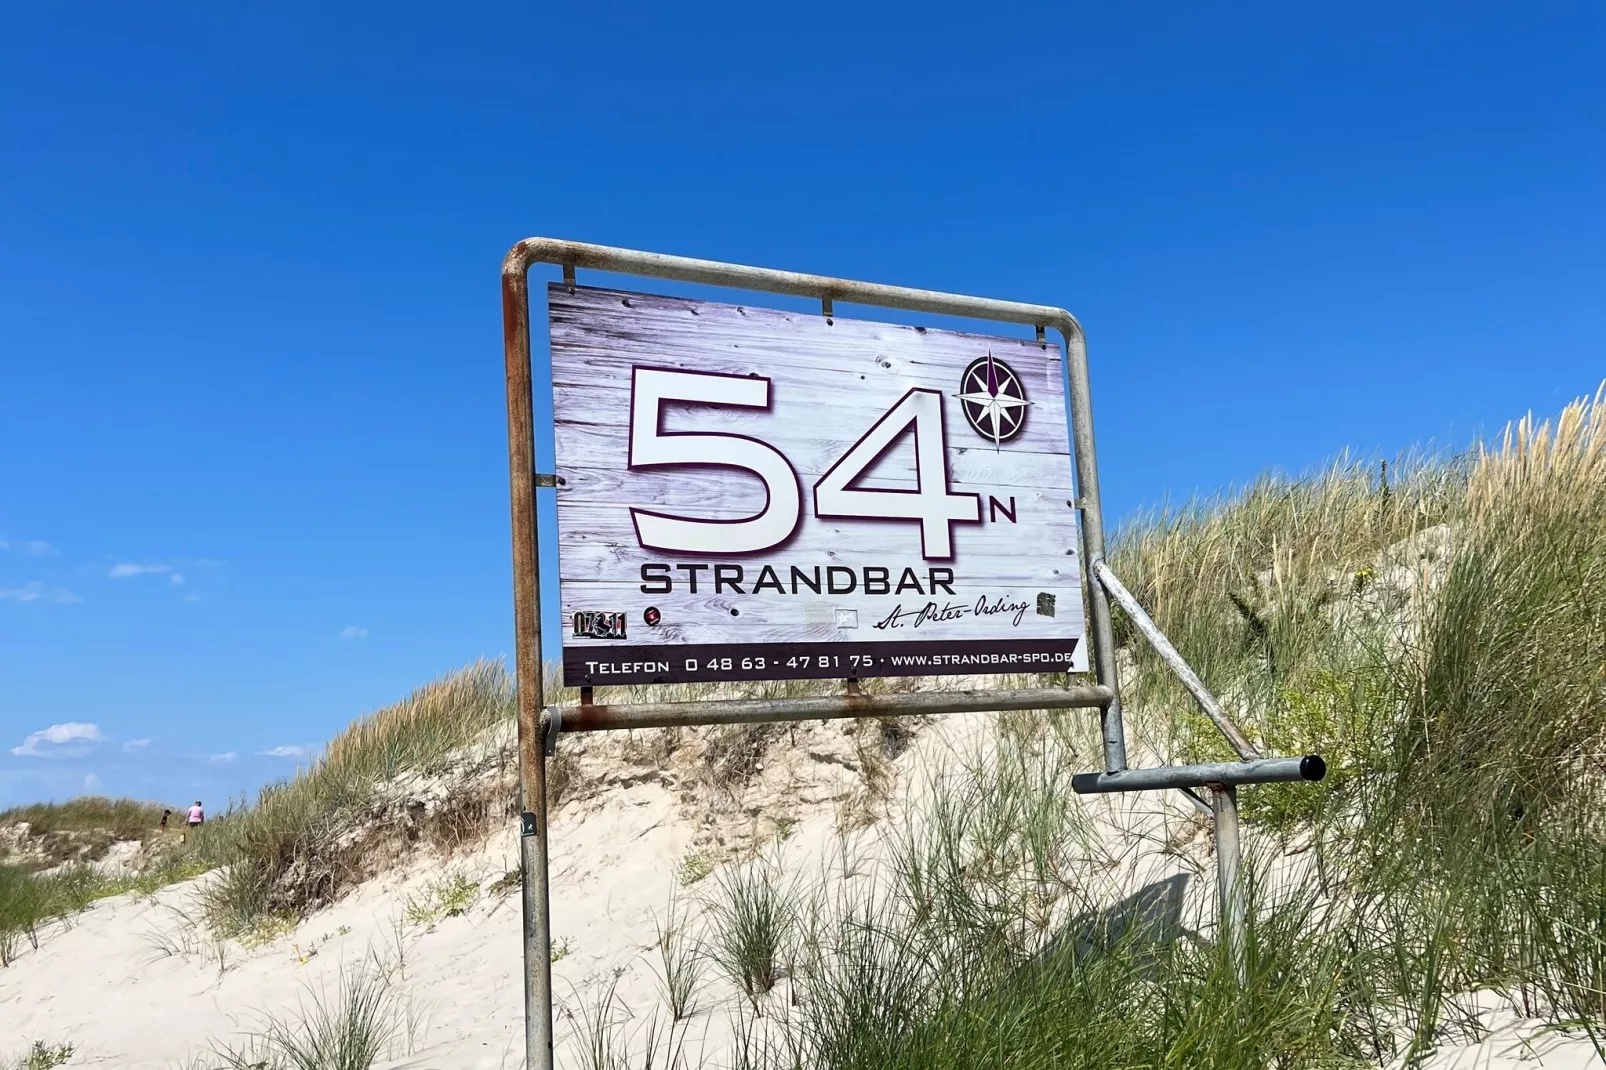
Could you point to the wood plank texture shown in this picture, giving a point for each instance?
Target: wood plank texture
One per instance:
(1010, 577)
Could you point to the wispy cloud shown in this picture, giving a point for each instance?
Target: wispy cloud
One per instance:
(92, 782)
(31, 547)
(127, 569)
(133, 745)
(192, 597)
(223, 759)
(38, 592)
(177, 579)
(59, 739)
(286, 752)
(351, 631)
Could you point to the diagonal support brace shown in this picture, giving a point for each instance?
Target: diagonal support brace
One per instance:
(1174, 660)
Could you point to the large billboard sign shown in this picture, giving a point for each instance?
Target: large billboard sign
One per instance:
(752, 494)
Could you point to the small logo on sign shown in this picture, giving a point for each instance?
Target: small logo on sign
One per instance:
(993, 399)
(599, 625)
(1045, 605)
(652, 616)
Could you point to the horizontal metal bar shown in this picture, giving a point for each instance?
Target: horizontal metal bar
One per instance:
(1169, 654)
(714, 273)
(605, 718)
(1260, 771)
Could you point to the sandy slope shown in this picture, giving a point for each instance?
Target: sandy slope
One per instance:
(113, 986)
(133, 984)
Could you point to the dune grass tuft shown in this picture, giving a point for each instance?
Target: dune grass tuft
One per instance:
(752, 924)
(284, 853)
(123, 819)
(32, 903)
(348, 1029)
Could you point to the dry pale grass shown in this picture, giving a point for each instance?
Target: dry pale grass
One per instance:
(1542, 467)
(415, 733)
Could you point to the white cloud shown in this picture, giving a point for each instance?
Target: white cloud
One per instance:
(123, 571)
(223, 759)
(177, 579)
(132, 745)
(59, 735)
(285, 752)
(32, 547)
(92, 782)
(351, 631)
(192, 597)
(38, 592)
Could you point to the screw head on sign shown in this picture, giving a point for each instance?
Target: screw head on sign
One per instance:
(652, 616)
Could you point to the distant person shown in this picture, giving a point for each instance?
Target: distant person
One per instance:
(196, 818)
(165, 815)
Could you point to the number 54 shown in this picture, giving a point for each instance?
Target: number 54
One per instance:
(932, 504)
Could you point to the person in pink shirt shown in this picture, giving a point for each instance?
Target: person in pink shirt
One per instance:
(196, 818)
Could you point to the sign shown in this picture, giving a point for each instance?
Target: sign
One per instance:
(751, 494)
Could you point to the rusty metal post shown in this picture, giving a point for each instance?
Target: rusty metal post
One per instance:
(528, 667)
(607, 717)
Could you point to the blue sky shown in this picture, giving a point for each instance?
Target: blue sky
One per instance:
(252, 443)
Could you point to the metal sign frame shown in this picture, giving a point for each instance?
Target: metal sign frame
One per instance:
(539, 724)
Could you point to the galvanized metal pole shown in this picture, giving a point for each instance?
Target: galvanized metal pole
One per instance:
(1175, 661)
(527, 663)
(1309, 768)
(1087, 487)
(1229, 876)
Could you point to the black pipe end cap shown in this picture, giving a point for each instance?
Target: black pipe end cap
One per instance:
(1311, 767)
(1085, 783)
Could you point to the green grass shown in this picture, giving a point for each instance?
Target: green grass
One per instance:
(508, 883)
(80, 829)
(1457, 847)
(43, 1056)
(752, 925)
(349, 1029)
(694, 868)
(31, 904)
(681, 961)
(124, 819)
(445, 897)
(282, 855)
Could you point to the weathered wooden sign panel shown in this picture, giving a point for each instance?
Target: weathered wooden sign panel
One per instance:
(751, 494)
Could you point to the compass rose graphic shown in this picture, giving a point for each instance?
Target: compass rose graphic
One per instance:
(993, 399)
